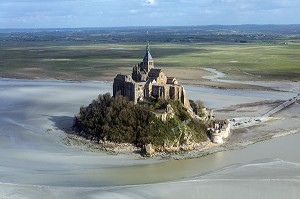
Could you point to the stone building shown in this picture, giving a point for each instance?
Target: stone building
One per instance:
(220, 131)
(146, 81)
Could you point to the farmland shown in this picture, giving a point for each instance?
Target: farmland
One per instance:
(85, 55)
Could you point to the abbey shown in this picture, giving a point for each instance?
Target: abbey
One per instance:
(146, 81)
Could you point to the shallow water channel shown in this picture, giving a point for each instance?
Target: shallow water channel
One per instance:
(32, 154)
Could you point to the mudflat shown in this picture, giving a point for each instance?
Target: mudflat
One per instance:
(35, 162)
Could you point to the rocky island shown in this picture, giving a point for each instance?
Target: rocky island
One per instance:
(150, 111)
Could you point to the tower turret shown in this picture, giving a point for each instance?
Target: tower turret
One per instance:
(148, 62)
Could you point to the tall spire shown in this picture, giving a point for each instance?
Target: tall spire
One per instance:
(148, 47)
(147, 56)
(148, 44)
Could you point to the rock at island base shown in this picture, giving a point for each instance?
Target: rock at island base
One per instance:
(149, 149)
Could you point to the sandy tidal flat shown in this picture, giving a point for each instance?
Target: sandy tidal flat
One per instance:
(36, 164)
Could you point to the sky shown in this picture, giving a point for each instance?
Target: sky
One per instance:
(120, 13)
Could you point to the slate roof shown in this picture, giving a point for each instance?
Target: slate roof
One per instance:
(120, 77)
(147, 56)
(124, 78)
(154, 72)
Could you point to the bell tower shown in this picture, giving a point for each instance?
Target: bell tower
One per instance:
(148, 62)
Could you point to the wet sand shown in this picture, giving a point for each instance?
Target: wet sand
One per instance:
(35, 163)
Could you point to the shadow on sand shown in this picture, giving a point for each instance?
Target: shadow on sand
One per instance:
(63, 123)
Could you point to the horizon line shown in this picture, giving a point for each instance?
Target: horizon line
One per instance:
(104, 27)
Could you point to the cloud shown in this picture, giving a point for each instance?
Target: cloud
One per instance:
(101, 13)
(133, 11)
(150, 2)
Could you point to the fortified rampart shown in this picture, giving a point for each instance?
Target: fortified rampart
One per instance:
(220, 131)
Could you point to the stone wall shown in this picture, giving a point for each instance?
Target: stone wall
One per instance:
(220, 132)
(124, 86)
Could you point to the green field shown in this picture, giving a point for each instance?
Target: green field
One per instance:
(258, 52)
(102, 61)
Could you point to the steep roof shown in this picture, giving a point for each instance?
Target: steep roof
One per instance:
(171, 80)
(121, 77)
(147, 56)
(154, 72)
(124, 78)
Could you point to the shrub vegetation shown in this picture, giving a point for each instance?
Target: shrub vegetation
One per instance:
(118, 120)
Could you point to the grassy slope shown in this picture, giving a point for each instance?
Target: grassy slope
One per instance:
(103, 61)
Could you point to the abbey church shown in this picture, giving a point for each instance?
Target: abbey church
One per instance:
(146, 81)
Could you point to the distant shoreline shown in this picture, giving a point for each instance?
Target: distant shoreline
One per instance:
(205, 83)
(229, 26)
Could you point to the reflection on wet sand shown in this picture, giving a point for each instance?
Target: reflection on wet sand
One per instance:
(36, 164)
